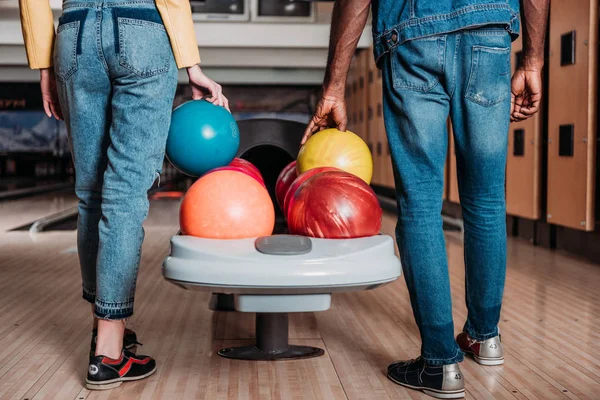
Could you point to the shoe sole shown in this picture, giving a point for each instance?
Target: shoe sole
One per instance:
(438, 394)
(114, 383)
(485, 361)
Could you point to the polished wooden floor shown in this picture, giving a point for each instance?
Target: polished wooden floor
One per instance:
(550, 325)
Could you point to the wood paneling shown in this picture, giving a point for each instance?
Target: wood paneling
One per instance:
(351, 88)
(523, 166)
(572, 97)
(361, 99)
(385, 159)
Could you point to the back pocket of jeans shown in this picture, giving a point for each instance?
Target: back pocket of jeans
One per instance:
(417, 64)
(143, 46)
(489, 81)
(65, 50)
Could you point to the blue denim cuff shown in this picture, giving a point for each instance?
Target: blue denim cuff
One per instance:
(113, 311)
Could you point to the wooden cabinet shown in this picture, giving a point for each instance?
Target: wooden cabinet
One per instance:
(572, 113)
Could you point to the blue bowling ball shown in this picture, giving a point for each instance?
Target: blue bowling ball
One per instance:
(202, 137)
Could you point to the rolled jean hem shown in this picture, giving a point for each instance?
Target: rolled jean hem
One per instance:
(480, 337)
(113, 311)
(458, 357)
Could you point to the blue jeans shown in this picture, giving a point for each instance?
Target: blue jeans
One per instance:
(116, 78)
(464, 75)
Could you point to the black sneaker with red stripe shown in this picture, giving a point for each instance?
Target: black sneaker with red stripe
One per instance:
(108, 373)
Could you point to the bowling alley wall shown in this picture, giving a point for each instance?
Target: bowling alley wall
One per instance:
(552, 171)
(31, 144)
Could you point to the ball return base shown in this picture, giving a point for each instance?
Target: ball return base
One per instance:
(277, 275)
(271, 342)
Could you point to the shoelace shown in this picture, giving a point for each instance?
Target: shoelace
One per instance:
(414, 360)
(409, 362)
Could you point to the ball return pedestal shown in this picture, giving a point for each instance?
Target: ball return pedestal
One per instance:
(276, 275)
(271, 342)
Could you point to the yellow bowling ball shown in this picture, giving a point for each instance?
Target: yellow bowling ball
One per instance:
(333, 148)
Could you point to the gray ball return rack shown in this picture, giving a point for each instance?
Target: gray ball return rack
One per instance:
(276, 275)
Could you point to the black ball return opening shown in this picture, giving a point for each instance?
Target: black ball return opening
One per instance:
(271, 342)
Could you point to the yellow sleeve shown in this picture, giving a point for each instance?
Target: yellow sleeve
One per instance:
(37, 25)
(177, 17)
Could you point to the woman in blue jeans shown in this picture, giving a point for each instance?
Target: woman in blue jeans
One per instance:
(112, 73)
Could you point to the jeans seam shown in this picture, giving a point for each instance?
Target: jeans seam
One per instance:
(133, 21)
(99, 41)
(473, 73)
(417, 88)
(442, 52)
(454, 62)
(129, 3)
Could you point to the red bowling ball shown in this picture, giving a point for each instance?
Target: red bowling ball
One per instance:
(248, 172)
(284, 180)
(248, 166)
(334, 205)
(299, 181)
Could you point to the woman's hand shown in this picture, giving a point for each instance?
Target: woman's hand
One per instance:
(49, 94)
(205, 88)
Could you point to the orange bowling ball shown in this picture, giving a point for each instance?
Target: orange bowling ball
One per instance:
(227, 204)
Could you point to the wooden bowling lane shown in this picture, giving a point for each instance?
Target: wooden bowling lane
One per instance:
(18, 212)
(549, 328)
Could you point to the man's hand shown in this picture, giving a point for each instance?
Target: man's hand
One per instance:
(526, 86)
(205, 88)
(49, 94)
(347, 23)
(526, 93)
(331, 112)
